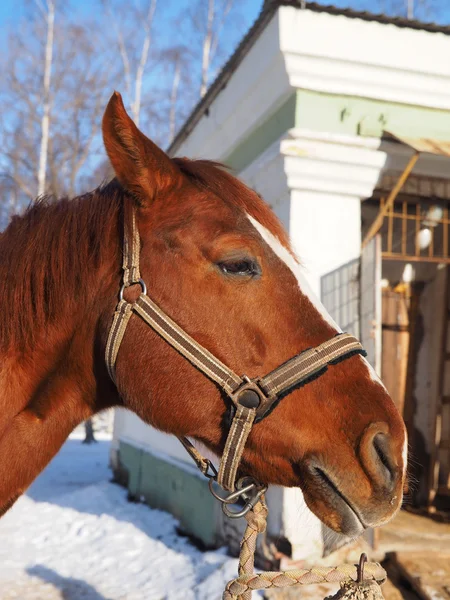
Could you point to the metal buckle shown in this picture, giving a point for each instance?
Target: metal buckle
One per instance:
(249, 394)
(124, 287)
(247, 489)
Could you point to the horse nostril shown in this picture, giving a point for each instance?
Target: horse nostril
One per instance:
(378, 456)
(385, 466)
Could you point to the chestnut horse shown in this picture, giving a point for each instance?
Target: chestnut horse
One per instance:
(217, 260)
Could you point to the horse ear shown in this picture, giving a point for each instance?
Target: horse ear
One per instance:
(142, 168)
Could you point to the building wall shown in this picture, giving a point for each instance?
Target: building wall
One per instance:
(300, 120)
(337, 55)
(128, 426)
(257, 89)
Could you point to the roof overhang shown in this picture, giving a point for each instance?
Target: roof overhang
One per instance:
(422, 145)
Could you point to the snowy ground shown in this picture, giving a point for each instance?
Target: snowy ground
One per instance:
(74, 536)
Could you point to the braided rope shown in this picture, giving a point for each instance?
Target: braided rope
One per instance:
(256, 523)
(241, 588)
(237, 588)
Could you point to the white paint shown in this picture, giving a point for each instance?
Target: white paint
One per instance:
(316, 51)
(332, 163)
(319, 51)
(325, 231)
(301, 527)
(256, 89)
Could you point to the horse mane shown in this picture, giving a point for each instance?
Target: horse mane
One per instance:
(47, 257)
(215, 177)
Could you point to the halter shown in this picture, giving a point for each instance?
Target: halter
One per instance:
(251, 399)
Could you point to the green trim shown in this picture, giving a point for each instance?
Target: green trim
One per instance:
(350, 115)
(166, 486)
(365, 117)
(263, 136)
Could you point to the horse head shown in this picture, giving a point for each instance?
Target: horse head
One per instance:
(216, 259)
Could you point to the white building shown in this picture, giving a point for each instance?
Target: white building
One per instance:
(300, 112)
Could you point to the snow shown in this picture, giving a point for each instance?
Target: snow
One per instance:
(74, 536)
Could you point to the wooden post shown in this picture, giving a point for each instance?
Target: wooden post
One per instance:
(352, 590)
(376, 225)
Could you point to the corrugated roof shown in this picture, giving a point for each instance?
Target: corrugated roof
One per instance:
(270, 7)
(426, 145)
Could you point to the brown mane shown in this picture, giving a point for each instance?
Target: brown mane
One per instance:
(47, 256)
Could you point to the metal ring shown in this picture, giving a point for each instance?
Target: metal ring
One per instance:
(249, 505)
(233, 496)
(141, 282)
(243, 493)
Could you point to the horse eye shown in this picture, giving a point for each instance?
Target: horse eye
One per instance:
(245, 266)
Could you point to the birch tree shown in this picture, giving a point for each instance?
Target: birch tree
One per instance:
(426, 10)
(181, 94)
(52, 103)
(411, 9)
(208, 19)
(47, 10)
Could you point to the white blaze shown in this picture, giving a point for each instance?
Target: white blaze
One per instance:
(292, 263)
(405, 451)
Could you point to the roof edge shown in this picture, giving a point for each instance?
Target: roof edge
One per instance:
(268, 11)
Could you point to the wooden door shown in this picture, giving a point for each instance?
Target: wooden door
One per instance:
(395, 342)
(439, 485)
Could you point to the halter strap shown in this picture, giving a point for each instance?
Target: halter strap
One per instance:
(195, 353)
(252, 399)
(131, 252)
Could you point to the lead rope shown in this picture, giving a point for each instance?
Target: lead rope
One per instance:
(357, 582)
(367, 576)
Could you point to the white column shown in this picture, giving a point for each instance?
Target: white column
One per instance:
(328, 176)
(325, 230)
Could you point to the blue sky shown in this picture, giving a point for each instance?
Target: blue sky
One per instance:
(11, 11)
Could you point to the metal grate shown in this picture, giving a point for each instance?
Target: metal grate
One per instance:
(340, 296)
(416, 231)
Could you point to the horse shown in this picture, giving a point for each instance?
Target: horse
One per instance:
(217, 260)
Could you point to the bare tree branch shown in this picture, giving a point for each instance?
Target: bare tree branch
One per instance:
(122, 47)
(173, 98)
(206, 50)
(143, 62)
(217, 33)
